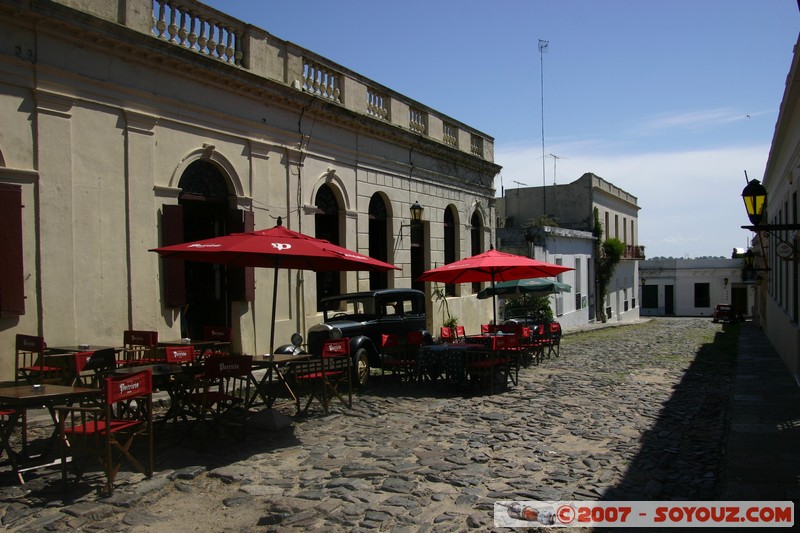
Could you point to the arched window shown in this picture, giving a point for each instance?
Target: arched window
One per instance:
(450, 235)
(326, 226)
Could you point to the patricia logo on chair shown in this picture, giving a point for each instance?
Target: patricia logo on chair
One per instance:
(281, 246)
(125, 388)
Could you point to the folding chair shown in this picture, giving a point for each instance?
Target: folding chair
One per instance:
(337, 372)
(396, 359)
(179, 355)
(90, 368)
(461, 333)
(139, 347)
(107, 433)
(221, 394)
(554, 339)
(492, 366)
(33, 365)
(221, 337)
(321, 378)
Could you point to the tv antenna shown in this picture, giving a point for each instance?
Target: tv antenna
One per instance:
(555, 160)
(520, 183)
(543, 46)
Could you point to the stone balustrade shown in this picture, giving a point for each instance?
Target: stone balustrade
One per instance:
(210, 33)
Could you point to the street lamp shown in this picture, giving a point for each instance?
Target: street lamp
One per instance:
(755, 201)
(416, 213)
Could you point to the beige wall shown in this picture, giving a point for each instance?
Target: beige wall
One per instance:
(98, 137)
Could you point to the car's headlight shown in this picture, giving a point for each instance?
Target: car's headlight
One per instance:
(336, 333)
(297, 339)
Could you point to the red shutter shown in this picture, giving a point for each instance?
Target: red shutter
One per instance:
(12, 281)
(174, 269)
(241, 281)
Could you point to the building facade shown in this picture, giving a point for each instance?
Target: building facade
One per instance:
(776, 252)
(693, 287)
(133, 124)
(525, 219)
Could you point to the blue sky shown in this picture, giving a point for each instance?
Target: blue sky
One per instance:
(671, 101)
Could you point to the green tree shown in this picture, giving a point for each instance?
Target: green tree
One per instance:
(607, 255)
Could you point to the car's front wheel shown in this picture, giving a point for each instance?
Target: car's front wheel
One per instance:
(361, 367)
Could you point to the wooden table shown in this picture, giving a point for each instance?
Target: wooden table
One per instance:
(25, 397)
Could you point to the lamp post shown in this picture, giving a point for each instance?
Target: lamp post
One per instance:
(755, 202)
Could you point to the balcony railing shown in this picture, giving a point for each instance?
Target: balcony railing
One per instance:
(211, 33)
(199, 28)
(633, 252)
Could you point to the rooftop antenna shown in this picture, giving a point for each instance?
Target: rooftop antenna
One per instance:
(543, 46)
(555, 159)
(519, 183)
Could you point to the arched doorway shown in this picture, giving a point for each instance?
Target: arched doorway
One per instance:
(326, 226)
(378, 240)
(450, 241)
(203, 291)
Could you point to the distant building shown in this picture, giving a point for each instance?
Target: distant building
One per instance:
(692, 287)
(534, 220)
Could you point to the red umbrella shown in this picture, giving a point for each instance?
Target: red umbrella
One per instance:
(492, 266)
(275, 248)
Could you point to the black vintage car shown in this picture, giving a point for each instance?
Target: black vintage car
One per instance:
(363, 317)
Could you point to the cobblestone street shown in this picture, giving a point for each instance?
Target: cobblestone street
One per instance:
(631, 412)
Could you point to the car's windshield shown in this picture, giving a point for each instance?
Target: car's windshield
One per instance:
(349, 307)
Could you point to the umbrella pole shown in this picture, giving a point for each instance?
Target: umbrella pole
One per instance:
(494, 303)
(274, 306)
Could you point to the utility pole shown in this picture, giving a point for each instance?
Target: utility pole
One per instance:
(543, 45)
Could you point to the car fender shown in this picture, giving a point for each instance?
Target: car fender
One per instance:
(362, 341)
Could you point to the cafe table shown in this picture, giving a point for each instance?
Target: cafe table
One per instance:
(446, 361)
(273, 381)
(20, 399)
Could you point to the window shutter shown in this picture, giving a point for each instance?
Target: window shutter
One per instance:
(241, 280)
(12, 281)
(174, 269)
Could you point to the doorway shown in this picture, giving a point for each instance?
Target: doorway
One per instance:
(669, 300)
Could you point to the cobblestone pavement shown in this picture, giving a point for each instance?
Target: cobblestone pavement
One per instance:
(633, 412)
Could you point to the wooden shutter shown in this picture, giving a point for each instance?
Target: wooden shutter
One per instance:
(241, 280)
(12, 280)
(174, 269)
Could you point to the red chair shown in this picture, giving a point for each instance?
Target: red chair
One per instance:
(179, 355)
(33, 365)
(487, 328)
(337, 372)
(461, 333)
(90, 368)
(139, 348)
(446, 334)
(107, 433)
(221, 394)
(221, 337)
(318, 377)
(395, 358)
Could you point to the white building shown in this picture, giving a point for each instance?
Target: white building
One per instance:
(524, 216)
(692, 287)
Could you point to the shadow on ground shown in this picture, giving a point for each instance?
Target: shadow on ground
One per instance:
(682, 456)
